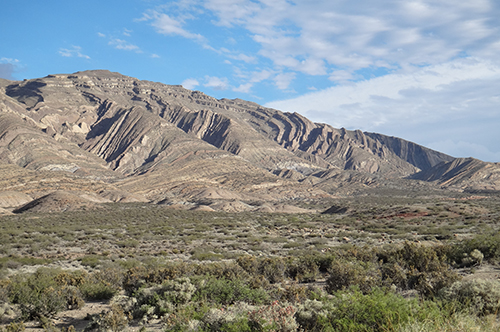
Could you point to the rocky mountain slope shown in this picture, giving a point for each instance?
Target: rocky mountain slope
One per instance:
(465, 173)
(103, 132)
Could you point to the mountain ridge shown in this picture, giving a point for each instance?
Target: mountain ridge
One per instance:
(165, 141)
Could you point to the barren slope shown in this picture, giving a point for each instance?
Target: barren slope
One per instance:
(464, 173)
(105, 132)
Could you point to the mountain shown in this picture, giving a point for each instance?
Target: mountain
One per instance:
(131, 140)
(463, 173)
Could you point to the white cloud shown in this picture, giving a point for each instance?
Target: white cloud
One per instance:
(216, 83)
(425, 105)
(315, 37)
(100, 34)
(232, 12)
(243, 57)
(244, 88)
(283, 80)
(9, 60)
(167, 25)
(73, 51)
(190, 83)
(121, 44)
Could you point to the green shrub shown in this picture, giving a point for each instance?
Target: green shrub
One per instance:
(293, 293)
(273, 269)
(102, 285)
(91, 260)
(225, 270)
(304, 269)
(480, 296)
(138, 276)
(417, 267)
(225, 292)
(344, 274)
(351, 310)
(39, 295)
(487, 244)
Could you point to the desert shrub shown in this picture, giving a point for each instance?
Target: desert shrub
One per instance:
(249, 263)
(487, 244)
(138, 276)
(324, 261)
(18, 261)
(458, 321)
(113, 320)
(232, 319)
(102, 285)
(273, 269)
(161, 299)
(14, 327)
(313, 315)
(417, 267)
(202, 255)
(90, 260)
(293, 293)
(344, 274)
(473, 259)
(225, 292)
(185, 318)
(364, 254)
(39, 295)
(226, 270)
(304, 269)
(273, 317)
(71, 278)
(480, 296)
(351, 310)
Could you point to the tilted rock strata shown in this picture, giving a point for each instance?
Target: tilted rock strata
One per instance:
(464, 173)
(160, 141)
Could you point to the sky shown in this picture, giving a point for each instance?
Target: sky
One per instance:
(427, 71)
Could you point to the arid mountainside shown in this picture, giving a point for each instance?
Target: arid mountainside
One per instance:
(465, 173)
(130, 140)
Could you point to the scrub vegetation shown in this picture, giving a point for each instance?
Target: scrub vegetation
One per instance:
(369, 264)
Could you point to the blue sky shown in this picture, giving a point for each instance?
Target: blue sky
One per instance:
(424, 70)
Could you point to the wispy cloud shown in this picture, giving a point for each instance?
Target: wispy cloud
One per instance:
(216, 83)
(428, 105)
(74, 51)
(283, 80)
(168, 25)
(8, 66)
(323, 37)
(121, 44)
(190, 83)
